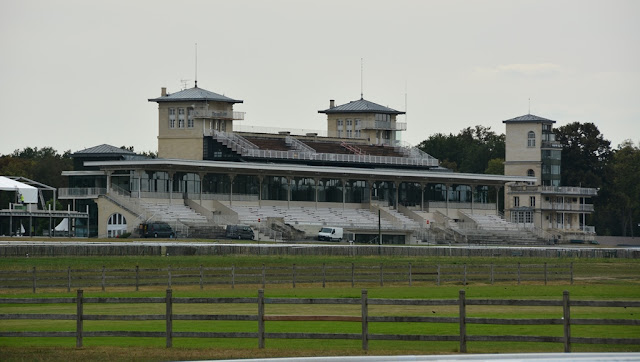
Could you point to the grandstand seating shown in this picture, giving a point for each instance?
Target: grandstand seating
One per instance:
(347, 218)
(172, 213)
(264, 143)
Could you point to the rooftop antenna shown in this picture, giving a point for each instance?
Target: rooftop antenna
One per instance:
(405, 100)
(529, 105)
(184, 83)
(196, 65)
(361, 71)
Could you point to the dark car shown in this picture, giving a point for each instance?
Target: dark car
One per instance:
(240, 232)
(157, 230)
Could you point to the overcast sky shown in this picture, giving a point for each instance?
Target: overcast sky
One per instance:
(76, 74)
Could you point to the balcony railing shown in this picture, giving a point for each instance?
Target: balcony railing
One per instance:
(209, 113)
(567, 207)
(569, 190)
(551, 144)
(81, 192)
(384, 125)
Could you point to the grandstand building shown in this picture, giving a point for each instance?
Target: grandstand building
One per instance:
(358, 176)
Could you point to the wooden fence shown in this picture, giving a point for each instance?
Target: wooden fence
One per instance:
(353, 274)
(565, 304)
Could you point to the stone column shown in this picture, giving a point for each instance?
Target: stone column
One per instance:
(260, 178)
(231, 178)
(289, 179)
(171, 174)
(315, 182)
(343, 181)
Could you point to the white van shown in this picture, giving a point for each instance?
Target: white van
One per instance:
(330, 234)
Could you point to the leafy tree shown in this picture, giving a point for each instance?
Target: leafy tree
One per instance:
(468, 151)
(495, 167)
(585, 154)
(626, 188)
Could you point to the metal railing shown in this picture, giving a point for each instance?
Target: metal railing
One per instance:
(567, 206)
(300, 146)
(569, 190)
(205, 112)
(81, 192)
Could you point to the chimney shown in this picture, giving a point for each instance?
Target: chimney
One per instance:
(163, 91)
(332, 103)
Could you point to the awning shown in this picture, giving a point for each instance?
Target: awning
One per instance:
(29, 192)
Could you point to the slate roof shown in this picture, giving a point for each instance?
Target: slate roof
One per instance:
(361, 106)
(194, 94)
(528, 118)
(104, 149)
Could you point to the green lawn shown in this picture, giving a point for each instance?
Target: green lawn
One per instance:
(595, 279)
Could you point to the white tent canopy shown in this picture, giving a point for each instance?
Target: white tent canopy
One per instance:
(63, 225)
(29, 192)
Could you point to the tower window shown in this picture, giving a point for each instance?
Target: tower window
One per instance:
(531, 173)
(531, 139)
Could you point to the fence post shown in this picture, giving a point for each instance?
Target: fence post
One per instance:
(137, 277)
(264, 277)
(233, 276)
(324, 275)
(79, 318)
(68, 279)
(463, 324)
(365, 322)
(438, 276)
(103, 278)
(545, 273)
(464, 281)
(381, 277)
(201, 276)
(261, 318)
(491, 273)
(293, 275)
(352, 275)
(410, 274)
(518, 273)
(34, 280)
(571, 271)
(169, 276)
(169, 318)
(566, 316)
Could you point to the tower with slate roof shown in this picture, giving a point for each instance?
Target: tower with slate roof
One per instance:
(362, 119)
(187, 116)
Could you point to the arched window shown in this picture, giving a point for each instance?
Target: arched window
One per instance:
(531, 139)
(531, 173)
(116, 225)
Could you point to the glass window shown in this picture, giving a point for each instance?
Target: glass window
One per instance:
(516, 201)
(531, 173)
(531, 139)
(532, 201)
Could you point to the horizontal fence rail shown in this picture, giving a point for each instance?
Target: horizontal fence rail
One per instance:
(403, 274)
(363, 318)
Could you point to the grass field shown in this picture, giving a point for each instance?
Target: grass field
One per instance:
(596, 279)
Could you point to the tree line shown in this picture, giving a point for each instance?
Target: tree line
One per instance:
(588, 160)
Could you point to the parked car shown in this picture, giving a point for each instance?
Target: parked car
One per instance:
(330, 234)
(240, 232)
(157, 230)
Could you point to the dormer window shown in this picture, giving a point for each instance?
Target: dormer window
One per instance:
(531, 139)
